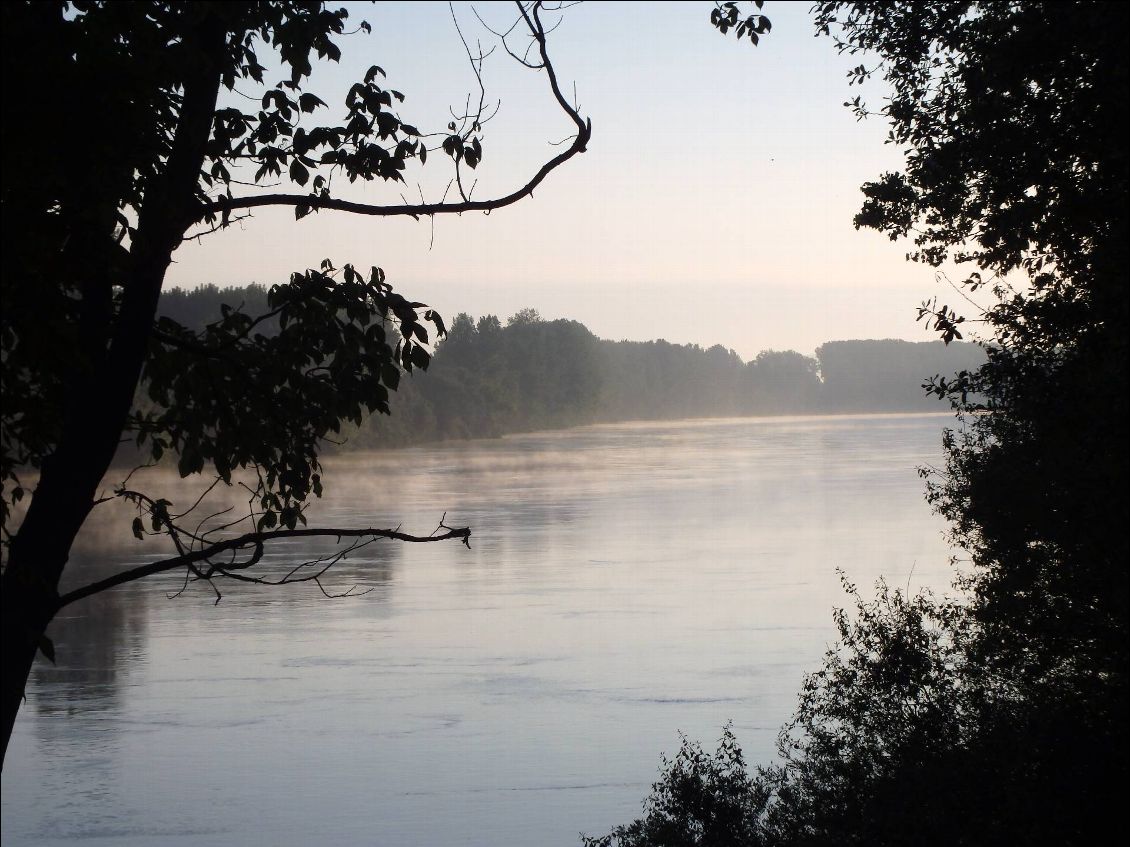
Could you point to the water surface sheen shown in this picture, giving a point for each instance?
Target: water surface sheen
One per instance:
(625, 582)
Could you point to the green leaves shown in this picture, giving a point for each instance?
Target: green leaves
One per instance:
(263, 392)
(945, 320)
(725, 17)
(456, 147)
(309, 102)
(370, 143)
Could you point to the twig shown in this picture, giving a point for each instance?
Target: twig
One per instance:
(256, 539)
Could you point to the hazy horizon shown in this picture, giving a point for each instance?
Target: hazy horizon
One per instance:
(714, 204)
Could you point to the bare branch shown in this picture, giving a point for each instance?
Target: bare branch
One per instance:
(255, 540)
(216, 227)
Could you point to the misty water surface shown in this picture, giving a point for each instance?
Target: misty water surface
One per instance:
(625, 582)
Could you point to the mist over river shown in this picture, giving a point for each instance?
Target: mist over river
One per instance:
(624, 583)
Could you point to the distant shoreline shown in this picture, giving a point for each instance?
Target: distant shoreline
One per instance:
(637, 422)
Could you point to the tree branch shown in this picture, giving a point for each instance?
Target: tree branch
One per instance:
(226, 205)
(256, 540)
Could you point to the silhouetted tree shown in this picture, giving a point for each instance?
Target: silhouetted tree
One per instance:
(1014, 120)
(785, 381)
(1000, 718)
(700, 800)
(115, 151)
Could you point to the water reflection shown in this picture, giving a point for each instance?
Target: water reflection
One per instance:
(624, 582)
(95, 643)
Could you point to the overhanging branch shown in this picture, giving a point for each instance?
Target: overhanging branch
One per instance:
(255, 541)
(225, 205)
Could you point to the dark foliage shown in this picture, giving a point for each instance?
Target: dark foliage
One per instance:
(490, 379)
(699, 800)
(902, 737)
(116, 150)
(1014, 120)
(999, 718)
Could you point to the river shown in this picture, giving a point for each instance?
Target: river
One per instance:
(624, 583)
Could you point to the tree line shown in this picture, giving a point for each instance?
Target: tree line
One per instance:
(490, 377)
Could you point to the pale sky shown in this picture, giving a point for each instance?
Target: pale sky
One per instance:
(714, 204)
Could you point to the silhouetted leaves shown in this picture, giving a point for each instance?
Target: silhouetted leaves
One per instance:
(245, 392)
(725, 17)
(1001, 718)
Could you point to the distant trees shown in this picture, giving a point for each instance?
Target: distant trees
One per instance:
(490, 379)
(117, 147)
(873, 376)
(785, 381)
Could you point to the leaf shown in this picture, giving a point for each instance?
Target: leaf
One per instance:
(434, 317)
(390, 375)
(309, 102)
(190, 462)
(138, 529)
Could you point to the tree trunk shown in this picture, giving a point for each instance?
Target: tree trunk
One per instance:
(98, 410)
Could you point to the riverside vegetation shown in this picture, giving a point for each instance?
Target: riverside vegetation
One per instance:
(491, 377)
(997, 716)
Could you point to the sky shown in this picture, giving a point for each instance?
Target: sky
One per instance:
(714, 204)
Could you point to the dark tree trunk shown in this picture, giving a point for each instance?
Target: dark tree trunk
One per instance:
(100, 405)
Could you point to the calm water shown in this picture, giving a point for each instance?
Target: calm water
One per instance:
(625, 582)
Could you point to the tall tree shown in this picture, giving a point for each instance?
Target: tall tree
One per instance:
(116, 149)
(1001, 717)
(1013, 121)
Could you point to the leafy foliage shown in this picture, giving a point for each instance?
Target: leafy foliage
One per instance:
(700, 800)
(163, 150)
(1007, 124)
(1015, 132)
(726, 17)
(1015, 135)
(121, 141)
(116, 71)
(904, 736)
(999, 718)
(331, 360)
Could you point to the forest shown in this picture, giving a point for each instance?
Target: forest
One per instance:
(491, 377)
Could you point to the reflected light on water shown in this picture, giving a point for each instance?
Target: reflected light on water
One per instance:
(624, 582)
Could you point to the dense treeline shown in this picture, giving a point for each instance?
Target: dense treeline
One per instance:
(490, 378)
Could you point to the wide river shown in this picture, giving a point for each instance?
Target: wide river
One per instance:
(625, 583)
